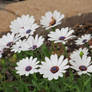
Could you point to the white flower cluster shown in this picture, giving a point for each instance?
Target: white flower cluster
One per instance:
(23, 26)
(81, 62)
(21, 39)
(54, 67)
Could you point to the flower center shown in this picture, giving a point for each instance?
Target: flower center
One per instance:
(54, 69)
(28, 31)
(83, 68)
(19, 46)
(9, 44)
(28, 68)
(85, 40)
(61, 38)
(53, 21)
(34, 47)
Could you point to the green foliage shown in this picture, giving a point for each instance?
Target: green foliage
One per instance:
(35, 83)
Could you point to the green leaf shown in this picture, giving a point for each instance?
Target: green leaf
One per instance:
(45, 51)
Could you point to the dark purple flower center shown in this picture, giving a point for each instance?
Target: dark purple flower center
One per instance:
(28, 31)
(34, 47)
(9, 44)
(54, 69)
(28, 68)
(61, 38)
(85, 40)
(83, 68)
(19, 46)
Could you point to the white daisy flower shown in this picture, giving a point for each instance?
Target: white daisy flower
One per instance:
(51, 19)
(20, 46)
(35, 43)
(79, 53)
(7, 40)
(53, 67)
(82, 65)
(27, 66)
(0, 55)
(24, 25)
(61, 35)
(83, 39)
(1, 51)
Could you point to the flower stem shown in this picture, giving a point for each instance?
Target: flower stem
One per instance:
(65, 50)
(53, 29)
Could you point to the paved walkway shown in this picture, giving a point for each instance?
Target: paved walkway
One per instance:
(37, 8)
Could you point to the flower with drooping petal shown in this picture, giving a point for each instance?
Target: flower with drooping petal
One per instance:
(51, 19)
(61, 35)
(7, 40)
(35, 42)
(82, 65)
(54, 67)
(1, 51)
(27, 66)
(20, 46)
(83, 39)
(90, 46)
(24, 25)
(79, 53)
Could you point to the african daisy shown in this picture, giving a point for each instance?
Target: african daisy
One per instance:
(1, 51)
(24, 25)
(35, 42)
(82, 65)
(54, 67)
(51, 19)
(83, 39)
(61, 35)
(20, 46)
(27, 66)
(7, 40)
(79, 53)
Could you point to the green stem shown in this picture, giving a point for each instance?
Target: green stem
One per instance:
(65, 50)
(53, 29)
(87, 45)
